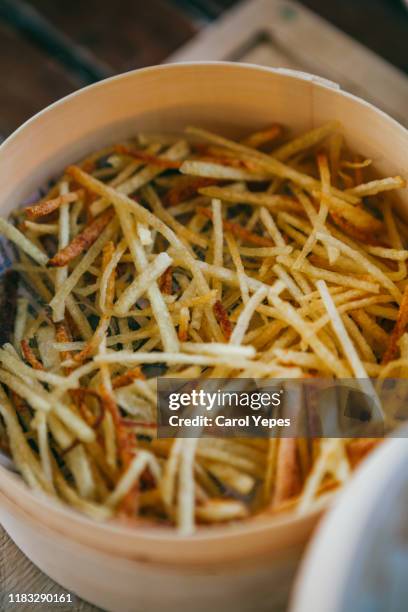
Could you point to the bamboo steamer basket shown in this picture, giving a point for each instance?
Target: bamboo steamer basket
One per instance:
(246, 567)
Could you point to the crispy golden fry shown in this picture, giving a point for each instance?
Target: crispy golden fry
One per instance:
(258, 139)
(82, 241)
(30, 357)
(185, 189)
(223, 319)
(48, 206)
(127, 378)
(399, 329)
(153, 160)
(239, 231)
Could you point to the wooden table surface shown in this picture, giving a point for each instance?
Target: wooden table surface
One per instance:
(49, 48)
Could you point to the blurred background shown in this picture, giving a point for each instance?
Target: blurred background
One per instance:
(49, 48)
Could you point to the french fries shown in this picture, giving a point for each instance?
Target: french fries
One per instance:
(264, 257)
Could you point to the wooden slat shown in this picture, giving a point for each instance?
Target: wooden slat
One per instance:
(381, 25)
(124, 34)
(30, 80)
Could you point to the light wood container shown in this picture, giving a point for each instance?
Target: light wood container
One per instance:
(246, 567)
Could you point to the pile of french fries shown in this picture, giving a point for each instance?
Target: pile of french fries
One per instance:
(196, 256)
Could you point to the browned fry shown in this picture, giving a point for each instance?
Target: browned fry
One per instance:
(233, 162)
(358, 174)
(238, 231)
(222, 317)
(287, 482)
(21, 407)
(399, 329)
(82, 241)
(160, 162)
(63, 334)
(128, 377)
(45, 208)
(367, 237)
(358, 449)
(88, 166)
(71, 447)
(166, 281)
(107, 255)
(30, 357)
(80, 396)
(257, 139)
(186, 188)
(103, 324)
(130, 503)
(125, 440)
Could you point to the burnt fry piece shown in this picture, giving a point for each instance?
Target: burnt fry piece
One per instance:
(128, 377)
(63, 334)
(30, 357)
(399, 329)
(107, 255)
(166, 281)
(238, 231)
(153, 160)
(82, 241)
(367, 237)
(257, 139)
(22, 408)
(357, 450)
(222, 317)
(232, 162)
(186, 188)
(45, 208)
(126, 441)
(80, 396)
(288, 481)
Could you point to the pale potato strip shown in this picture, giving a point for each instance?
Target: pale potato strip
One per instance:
(377, 186)
(218, 171)
(237, 261)
(186, 488)
(217, 348)
(289, 314)
(225, 194)
(142, 283)
(273, 230)
(247, 313)
(106, 274)
(341, 333)
(44, 449)
(41, 228)
(12, 233)
(218, 241)
(129, 478)
(359, 258)
(339, 279)
(386, 253)
(306, 140)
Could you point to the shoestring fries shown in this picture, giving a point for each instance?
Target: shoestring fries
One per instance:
(196, 256)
